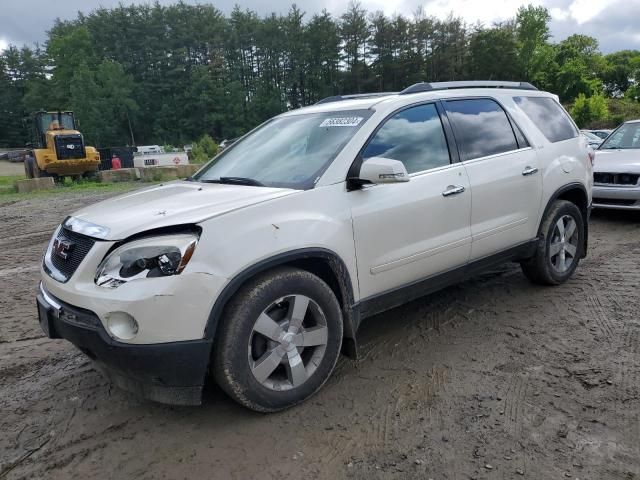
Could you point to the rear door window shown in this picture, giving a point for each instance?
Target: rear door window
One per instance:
(549, 117)
(481, 127)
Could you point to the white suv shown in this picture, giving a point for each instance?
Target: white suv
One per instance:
(261, 267)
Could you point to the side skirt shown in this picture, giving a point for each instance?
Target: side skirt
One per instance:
(399, 296)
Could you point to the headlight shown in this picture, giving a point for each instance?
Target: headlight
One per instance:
(150, 257)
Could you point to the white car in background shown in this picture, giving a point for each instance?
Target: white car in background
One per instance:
(617, 169)
(601, 133)
(259, 270)
(594, 140)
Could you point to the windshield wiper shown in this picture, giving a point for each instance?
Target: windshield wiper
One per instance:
(236, 181)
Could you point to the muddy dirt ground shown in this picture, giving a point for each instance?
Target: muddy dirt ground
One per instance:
(494, 378)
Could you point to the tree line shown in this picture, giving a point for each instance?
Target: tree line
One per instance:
(154, 74)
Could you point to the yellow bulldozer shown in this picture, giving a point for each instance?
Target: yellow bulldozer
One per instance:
(58, 148)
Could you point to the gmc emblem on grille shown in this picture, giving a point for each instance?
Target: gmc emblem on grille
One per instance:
(62, 247)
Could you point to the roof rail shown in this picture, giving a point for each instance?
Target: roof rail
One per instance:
(339, 98)
(428, 87)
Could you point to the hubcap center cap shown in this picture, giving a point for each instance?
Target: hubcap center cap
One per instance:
(287, 341)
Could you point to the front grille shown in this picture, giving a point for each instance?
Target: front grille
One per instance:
(614, 201)
(616, 178)
(69, 147)
(79, 246)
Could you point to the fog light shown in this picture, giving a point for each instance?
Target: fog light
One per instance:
(122, 325)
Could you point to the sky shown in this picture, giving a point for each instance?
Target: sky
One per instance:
(613, 22)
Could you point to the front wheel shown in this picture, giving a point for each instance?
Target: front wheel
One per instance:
(280, 340)
(38, 172)
(560, 247)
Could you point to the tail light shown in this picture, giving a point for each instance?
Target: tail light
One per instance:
(592, 156)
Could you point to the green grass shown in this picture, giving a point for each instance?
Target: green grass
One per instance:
(7, 184)
(8, 191)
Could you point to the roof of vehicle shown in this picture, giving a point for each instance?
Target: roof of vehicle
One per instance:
(420, 92)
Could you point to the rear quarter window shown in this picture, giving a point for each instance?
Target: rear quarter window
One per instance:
(549, 117)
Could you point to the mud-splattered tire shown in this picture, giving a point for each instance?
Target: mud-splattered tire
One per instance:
(279, 341)
(560, 246)
(28, 168)
(38, 172)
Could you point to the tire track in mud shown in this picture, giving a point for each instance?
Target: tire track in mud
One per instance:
(514, 404)
(621, 282)
(629, 371)
(406, 403)
(9, 239)
(403, 406)
(8, 272)
(600, 316)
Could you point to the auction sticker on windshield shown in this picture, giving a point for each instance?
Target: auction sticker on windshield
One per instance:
(341, 122)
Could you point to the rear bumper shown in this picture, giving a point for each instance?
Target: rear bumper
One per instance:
(172, 373)
(620, 198)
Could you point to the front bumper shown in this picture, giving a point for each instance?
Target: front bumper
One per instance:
(620, 198)
(167, 309)
(172, 373)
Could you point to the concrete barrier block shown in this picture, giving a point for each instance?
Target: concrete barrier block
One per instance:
(185, 171)
(158, 174)
(120, 175)
(34, 184)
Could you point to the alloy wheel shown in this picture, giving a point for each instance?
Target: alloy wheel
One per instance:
(287, 343)
(564, 244)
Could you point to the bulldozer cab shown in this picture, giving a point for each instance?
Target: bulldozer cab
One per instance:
(50, 121)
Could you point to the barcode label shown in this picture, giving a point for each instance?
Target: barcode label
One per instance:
(341, 122)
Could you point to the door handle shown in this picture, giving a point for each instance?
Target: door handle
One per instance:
(529, 171)
(452, 190)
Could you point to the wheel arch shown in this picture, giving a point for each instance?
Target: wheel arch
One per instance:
(323, 263)
(575, 193)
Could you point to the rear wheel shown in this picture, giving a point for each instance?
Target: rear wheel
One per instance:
(280, 340)
(560, 246)
(28, 167)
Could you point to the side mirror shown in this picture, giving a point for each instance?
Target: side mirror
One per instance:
(376, 170)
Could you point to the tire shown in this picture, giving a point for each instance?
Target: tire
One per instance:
(558, 253)
(28, 168)
(268, 303)
(37, 171)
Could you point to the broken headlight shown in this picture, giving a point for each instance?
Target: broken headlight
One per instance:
(160, 256)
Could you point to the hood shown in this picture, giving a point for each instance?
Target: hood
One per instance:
(175, 203)
(617, 161)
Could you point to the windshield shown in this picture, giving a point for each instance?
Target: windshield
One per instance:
(626, 136)
(50, 121)
(286, 152)
(591, 136)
